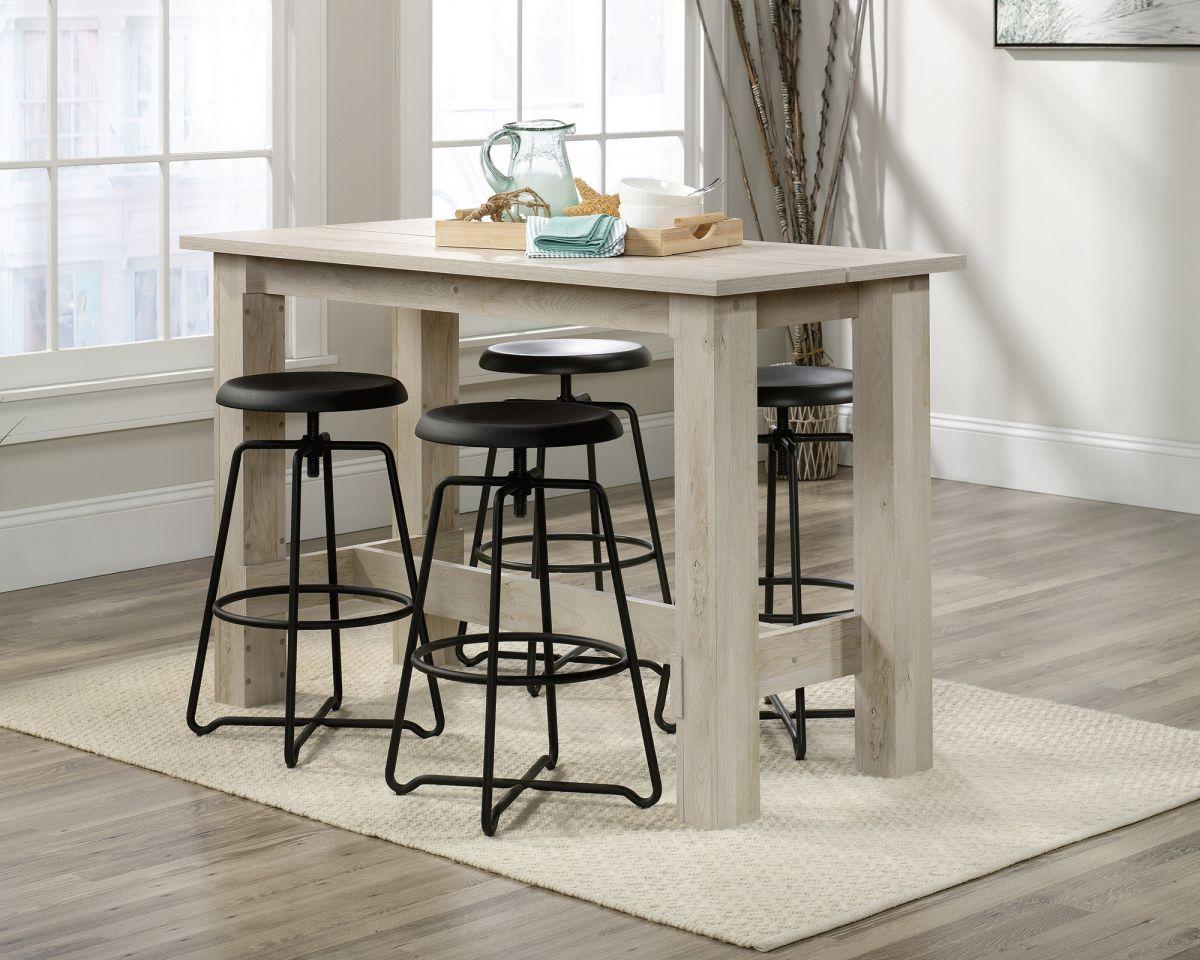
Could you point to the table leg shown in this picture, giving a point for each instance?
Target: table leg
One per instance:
(425, 359)
(716, 551)
(894, 691)
(248, 338)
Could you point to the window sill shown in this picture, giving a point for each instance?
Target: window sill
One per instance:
(183, 396)
(118, 403)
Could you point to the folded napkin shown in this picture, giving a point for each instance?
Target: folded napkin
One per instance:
(595, 236)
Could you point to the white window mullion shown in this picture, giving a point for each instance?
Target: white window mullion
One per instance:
(521, 59)
(164, 132)
(691, 95)
(281, 132)
(52, 174)
(61, 162)
(603, 96)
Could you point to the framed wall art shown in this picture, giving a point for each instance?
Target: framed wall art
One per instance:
(1097, 23)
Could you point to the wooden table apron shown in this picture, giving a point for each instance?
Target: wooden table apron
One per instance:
(724, 660)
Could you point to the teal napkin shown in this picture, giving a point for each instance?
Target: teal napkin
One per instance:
(595, 236)
(581, 236)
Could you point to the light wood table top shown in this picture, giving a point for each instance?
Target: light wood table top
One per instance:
(753, 267)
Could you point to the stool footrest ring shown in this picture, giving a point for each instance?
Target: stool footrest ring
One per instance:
(332, 589)
(484, 553)
(422, 659)
(787, 619)
(784, 581)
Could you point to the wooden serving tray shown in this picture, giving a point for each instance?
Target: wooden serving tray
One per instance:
(707, 231)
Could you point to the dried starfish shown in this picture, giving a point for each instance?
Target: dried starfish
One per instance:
(592, 202)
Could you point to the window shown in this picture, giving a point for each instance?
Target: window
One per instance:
(146, 119)
(617, 69)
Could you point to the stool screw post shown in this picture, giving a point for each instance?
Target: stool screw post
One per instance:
(566, 392)
(521, 476)
(312, 438)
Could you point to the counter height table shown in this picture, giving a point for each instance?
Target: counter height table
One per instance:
(711, 303)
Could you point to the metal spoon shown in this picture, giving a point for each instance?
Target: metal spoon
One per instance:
(700, 191)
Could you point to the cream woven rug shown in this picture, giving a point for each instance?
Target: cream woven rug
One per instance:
(1013, 777)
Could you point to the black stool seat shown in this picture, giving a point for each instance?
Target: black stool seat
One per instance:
(565, 357)
(792, 386)
(533, 423)
(312, 391)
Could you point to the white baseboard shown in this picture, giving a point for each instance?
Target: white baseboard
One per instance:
(1114, 468)
(1162, 474)
(129, 531)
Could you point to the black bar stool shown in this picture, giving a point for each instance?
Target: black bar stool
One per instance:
(520, 426)
(781, 388)
(564, 358)
(312, 393)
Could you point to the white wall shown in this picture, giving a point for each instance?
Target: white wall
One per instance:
(1069, 180)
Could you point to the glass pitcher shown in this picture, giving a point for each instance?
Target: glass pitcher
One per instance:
(538, 161)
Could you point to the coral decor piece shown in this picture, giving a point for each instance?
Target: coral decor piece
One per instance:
(591, 201)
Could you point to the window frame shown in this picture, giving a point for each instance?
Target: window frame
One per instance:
(53, 371)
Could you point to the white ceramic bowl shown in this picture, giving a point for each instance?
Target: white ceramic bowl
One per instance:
(654, 216)
(648, 192)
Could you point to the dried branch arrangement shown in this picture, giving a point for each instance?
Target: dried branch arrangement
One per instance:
(804, 205)
(804, 187)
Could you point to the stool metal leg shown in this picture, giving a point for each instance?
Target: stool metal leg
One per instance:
(293, 616)
(595, 515)
(335, 635)
(416, 628)
(660, 556)
(772, 470)
(489, 815)
(793, 485)
(801, 743)
(489, 470)
(486, 816)
(410, 572)
(543, 561)
(639, 450)
(235, 467)
(793, 722)
(800, 738)
(539, 559)
(635, 674)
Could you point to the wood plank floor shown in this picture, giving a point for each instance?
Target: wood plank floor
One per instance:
(1085, 603)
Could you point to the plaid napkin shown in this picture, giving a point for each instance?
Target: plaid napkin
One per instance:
(594, 236)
